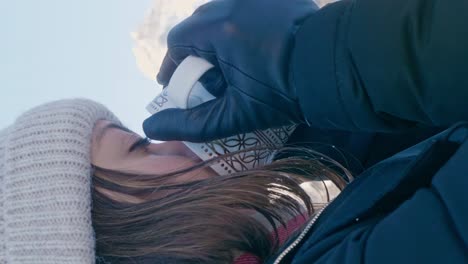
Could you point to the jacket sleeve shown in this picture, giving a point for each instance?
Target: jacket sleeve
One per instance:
(383, 65)
(419, 231)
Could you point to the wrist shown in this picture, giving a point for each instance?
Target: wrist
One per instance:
(312, 72)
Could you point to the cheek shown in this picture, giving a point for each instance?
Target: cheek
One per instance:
(163, 165)
(157, 164)
(199, 174)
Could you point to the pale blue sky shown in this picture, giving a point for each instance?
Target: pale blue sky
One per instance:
(54, 49)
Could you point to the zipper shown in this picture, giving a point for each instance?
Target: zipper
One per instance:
(300, 237)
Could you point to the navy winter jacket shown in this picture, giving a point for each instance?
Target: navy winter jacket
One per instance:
(388, 66)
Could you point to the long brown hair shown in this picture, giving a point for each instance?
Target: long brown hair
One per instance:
(201, 221)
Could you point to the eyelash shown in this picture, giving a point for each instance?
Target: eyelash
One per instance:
(141, 143)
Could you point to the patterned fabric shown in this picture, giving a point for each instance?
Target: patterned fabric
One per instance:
(45, 177)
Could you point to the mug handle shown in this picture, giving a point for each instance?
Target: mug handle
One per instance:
(184, 84)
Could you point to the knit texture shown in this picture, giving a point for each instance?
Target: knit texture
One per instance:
(45, 184)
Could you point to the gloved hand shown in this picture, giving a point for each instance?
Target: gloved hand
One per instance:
(249, 42)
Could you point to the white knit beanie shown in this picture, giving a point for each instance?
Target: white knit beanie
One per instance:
(45, 180)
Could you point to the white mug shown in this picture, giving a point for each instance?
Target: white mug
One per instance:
(184, 91)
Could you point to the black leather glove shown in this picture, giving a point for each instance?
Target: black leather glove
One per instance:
(250, 43)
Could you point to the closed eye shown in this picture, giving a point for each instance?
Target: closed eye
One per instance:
(141, 143)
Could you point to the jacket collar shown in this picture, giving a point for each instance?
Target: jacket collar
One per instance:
(383, 187)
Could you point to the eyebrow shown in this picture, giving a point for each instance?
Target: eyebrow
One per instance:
(140, 143)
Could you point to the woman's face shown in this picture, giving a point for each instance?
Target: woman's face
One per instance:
(113, 147)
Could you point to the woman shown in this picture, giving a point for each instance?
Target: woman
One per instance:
(77, 185)
(409, 208)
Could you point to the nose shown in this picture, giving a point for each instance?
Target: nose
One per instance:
(170, 148)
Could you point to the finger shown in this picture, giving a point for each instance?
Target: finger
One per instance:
(217, 118)
(213, 81)
(192, 125)
(182, 42)
(166, 70)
